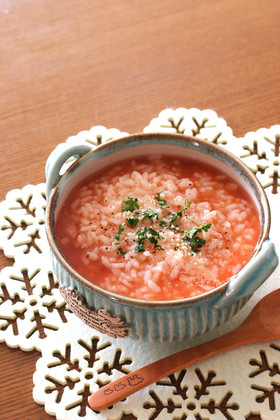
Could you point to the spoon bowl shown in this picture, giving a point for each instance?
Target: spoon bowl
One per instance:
(262, 324)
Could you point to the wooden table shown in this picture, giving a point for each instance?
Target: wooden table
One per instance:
(69, 65)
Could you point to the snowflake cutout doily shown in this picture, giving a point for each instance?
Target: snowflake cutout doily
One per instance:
(77, 360)
(79, 364)
(22, 217)
(260, 150)
(31, 306)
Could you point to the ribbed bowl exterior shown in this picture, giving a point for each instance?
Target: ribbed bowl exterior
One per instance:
(168, 324)
(150, 321)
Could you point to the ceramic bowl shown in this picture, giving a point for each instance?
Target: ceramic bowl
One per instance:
(158, 321)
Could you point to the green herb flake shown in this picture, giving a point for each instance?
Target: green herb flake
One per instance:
(121, 251)
(176, 216)
(139, 248)
(193, 232)
(162, 203)
(150, 214)
(130, 204)
(118, 235)
(151, 235)
(196, 243)
(132, 221)
(148, 233)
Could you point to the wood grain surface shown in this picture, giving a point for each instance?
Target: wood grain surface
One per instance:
(68, 65)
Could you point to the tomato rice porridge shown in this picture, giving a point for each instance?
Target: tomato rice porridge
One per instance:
(158, 228)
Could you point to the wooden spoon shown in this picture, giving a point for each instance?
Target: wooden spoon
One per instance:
(263, 324)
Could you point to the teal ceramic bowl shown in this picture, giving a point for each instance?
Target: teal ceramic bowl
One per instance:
(157, 321)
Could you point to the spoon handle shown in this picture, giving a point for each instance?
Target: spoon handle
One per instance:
(140, 378)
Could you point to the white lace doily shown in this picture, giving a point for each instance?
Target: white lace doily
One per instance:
(76, 360)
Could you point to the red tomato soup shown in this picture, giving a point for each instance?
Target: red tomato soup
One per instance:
(158, 228)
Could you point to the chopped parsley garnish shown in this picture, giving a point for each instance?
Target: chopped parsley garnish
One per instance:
(121, 251)
(168, 225)
(175, 216)
(150, 214)
(192, 232)
(118, 235)
(162, 203)
(139, 248)
(130, 204)
(168, 221)
(196, 243)
(147, 214)
(147, 233)
(132, 221)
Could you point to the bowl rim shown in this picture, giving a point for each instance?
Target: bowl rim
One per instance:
(156, 304)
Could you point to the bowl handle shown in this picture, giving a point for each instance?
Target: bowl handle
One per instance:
(57, 159)
(252, 276)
